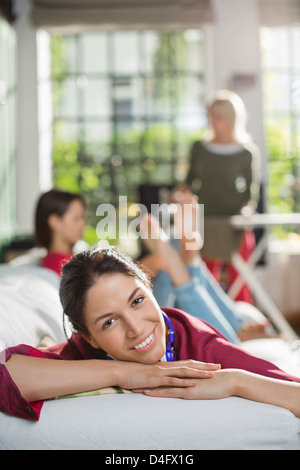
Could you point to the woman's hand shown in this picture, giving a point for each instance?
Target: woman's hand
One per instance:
(220, 384)
(177, 374)
(236, 382)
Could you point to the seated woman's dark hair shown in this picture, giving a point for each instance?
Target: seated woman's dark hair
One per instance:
(81, 273)
(55, 202)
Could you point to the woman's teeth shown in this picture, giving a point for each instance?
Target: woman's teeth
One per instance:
(144, 343)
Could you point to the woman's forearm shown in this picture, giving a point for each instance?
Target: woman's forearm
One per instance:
(268, 390)
(236, 382)
(40, 379)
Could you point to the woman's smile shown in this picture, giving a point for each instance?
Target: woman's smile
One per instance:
(145, 344)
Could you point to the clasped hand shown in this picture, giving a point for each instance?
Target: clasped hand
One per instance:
(179, 379)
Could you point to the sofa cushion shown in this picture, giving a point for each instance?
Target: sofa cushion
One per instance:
(134, 421)
(30, 308)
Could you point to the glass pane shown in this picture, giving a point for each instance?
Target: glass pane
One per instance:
(275, 43)
(128, 97)
(64, 55)
(295, 33)
(195, 49)
(158, 95)
(277, 92)
(65, 132)
(158, 142)
(191, 95)
(127, 178)
(150, 45)
(127, 143)
(94, 53)
(160, 173)
(125, 50)
(65, 97)
(96, 97)
(295, 95)
(97, 136)
(177, 52)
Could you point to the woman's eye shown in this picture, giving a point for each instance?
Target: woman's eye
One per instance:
(137, 301)
(108, 323)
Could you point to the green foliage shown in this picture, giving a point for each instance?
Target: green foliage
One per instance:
(281, 166)
(282, 189)
(170, 61)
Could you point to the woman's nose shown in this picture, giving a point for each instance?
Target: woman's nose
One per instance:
(134, 327)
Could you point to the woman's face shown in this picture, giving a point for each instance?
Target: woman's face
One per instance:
(124, 320)
(70, 226)
(220, 124)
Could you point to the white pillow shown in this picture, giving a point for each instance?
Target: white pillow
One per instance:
(29, 305)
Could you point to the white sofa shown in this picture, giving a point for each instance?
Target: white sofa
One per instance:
(30, 310)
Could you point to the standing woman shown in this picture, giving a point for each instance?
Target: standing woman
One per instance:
(224, 173)
(59, 224)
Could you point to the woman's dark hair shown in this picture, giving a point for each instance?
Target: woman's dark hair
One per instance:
(55, 202)
(81, 273)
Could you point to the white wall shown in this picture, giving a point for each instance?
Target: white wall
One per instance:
(27, 122)
(237, 51)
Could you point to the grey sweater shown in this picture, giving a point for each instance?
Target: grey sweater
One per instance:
(224, 183)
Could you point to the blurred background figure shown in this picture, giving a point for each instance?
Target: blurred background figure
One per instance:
(224, 174)
(59, 225)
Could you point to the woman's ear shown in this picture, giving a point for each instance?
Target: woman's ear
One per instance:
(89, 339)
(53, 222)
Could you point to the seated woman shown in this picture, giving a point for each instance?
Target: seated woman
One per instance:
(168, 353)
(59, 223)
(182, 279)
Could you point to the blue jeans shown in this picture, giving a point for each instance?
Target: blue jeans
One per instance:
(202, 297)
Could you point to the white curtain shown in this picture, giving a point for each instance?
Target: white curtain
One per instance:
(82, 15)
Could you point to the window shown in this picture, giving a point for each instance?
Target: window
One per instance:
(126, 107)
(281, 90)
(8, 129)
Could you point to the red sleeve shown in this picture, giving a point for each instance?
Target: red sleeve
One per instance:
(11, 400)
(195, 339)
(230, 356)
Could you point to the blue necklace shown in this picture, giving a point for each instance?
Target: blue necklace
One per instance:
(170, 351)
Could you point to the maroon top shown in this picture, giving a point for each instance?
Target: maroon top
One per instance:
(55, 261)
(194, 339)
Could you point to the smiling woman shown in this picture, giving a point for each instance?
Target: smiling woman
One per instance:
(109, 302)
(120, 317)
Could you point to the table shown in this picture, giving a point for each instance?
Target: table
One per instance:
(246, 271)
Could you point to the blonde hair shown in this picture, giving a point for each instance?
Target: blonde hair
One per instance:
(229, 105)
